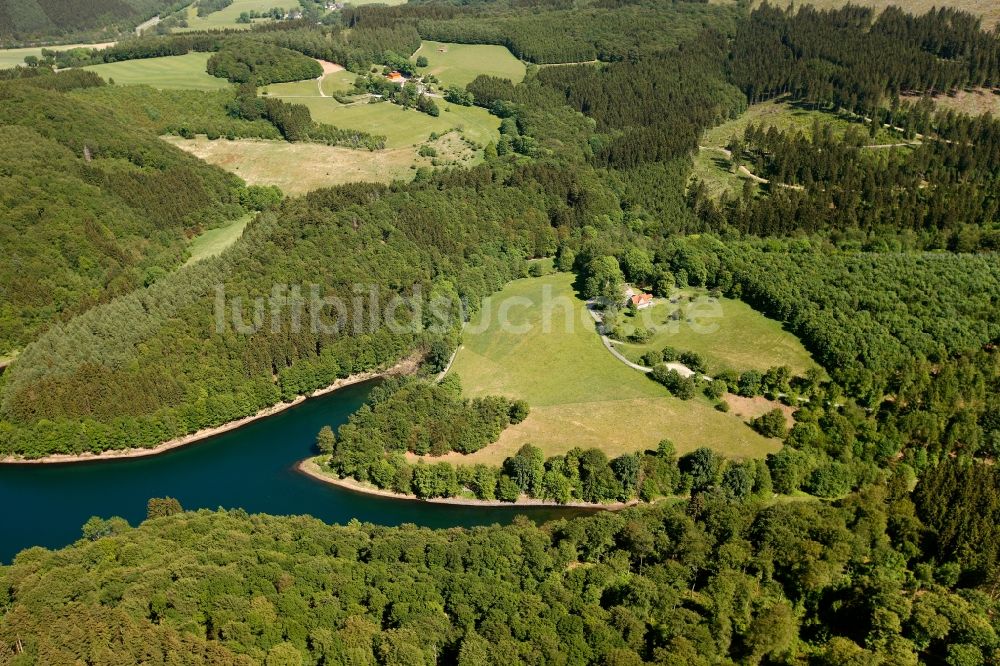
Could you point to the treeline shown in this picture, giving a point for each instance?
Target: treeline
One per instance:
(294, 121)
(857, 581)
(131, 373)
(839, 57)
(554, 32)
(242, 61)
(206, 7)
(93, 207)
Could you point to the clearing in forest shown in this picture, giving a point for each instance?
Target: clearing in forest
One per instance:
(580, 395)
(459, 64)
(212, 242)
(727, 333)
(226, 17)
(183, 72)
(989, 10)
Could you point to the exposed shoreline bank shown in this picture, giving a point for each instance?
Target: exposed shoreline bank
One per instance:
(406, 366)
(311, 468)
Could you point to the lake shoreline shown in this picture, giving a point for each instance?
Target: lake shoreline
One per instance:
(406, 366)
(310, 468)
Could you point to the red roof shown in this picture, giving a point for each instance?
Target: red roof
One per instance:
(642, 299)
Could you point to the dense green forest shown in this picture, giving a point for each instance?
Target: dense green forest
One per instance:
(92, 208)
(712, 580)
(49, 21)
(869, 538)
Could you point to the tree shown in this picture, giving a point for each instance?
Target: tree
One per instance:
(158, 507)
(738, 479)
(771, 424)
(422, 61)
(326, 441)
(702, 467)
(519, 411)
(604, 281)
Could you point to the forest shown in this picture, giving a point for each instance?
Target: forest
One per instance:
(862, 580)
(47, 21)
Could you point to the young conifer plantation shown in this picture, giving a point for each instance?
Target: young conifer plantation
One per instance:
(865, 223)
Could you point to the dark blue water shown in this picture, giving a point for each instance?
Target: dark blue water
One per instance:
(251, 468)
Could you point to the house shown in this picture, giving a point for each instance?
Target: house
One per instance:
(641, 301)
(397, 78)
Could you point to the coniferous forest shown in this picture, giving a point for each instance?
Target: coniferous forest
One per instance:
(869, 538)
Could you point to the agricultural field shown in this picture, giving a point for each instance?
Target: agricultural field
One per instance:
(212, 242)
(184, 72)
(575, 386)
(459, 64)
(14, 57)
(226, 18)
(728, 333)
(332, 82)
(298, 168)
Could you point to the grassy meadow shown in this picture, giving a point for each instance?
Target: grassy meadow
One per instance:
(226, 18)
(184, 72)
(214, 241)
(14, 57)
(728, 333)
(459, 64)
(405, 127)
(580, 395)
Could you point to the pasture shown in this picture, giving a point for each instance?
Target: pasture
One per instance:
(212, 242)
(729, 334)
(404, 127)
(549, 354)
(226, 18)
(184, 72)
(14, 57)
(458, 64)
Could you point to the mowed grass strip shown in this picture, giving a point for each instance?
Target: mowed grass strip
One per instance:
(183, 72)
(298, 168)
(212, 242)
(728, 333)
(579, 394)
(459, 64)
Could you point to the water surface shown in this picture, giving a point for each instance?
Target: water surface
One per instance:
(251, 468)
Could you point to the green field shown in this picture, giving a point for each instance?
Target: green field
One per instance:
(458, 64)
(580, 395)
(214, 241)
(336, 82)
(15, 57)
(226, 18)
(405, 127)
(185, 72)
(729, 334)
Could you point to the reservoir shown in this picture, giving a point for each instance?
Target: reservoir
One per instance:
(252, 468)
